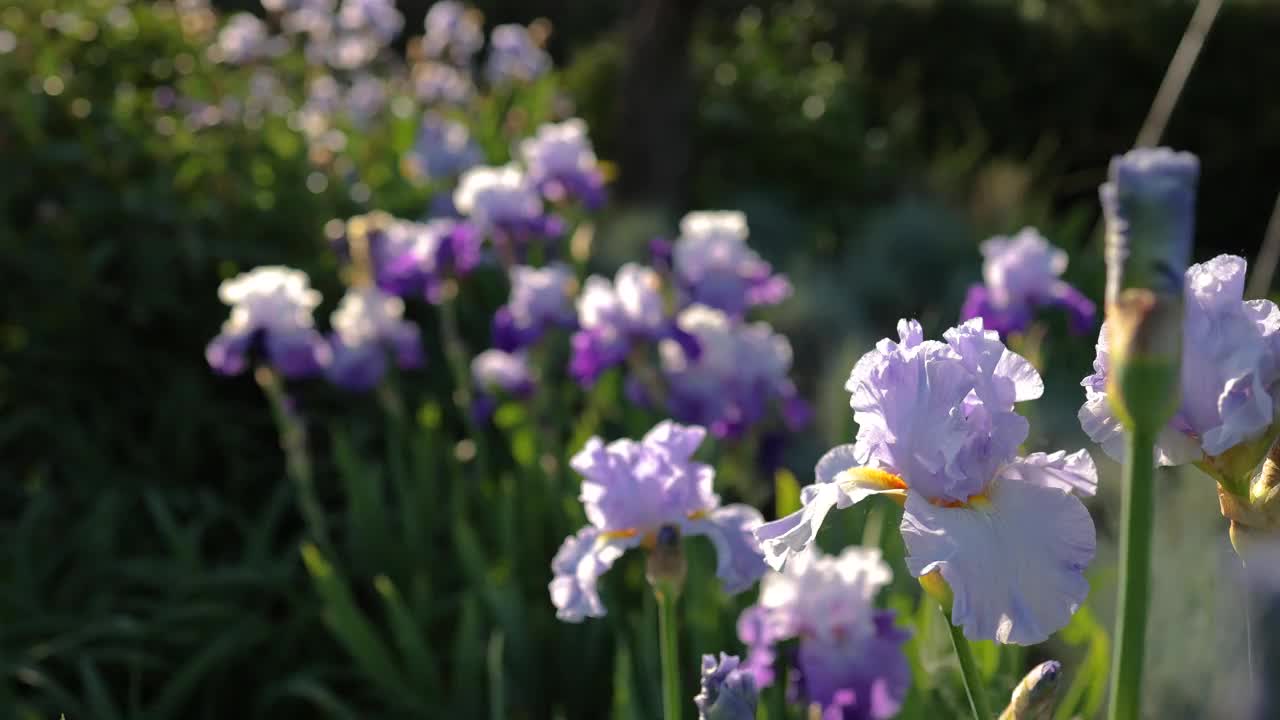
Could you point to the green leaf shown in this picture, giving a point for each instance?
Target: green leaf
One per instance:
(786, 492)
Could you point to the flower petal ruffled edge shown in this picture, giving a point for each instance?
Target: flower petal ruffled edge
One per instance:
(577, 567)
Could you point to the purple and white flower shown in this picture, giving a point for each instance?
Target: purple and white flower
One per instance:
(437, 83)
(541, 299)
(937, 431)
(453, 30)
(498, 371)
(413, 259)
(270, 318)
(632, 490)
(1021, 274)
(503, 203)
(1230, 372)
(729, 375)
(243, 39)
(727, 690)
(850, 657)
(443, 149)
(368, 325)
(714, 265)
(378, 17)
(514, 56)
(562, 164)
(613, 317)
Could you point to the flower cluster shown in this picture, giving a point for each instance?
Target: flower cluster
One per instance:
(714, 368)
(937, 430)
(633, 490)
(1020, 275)
(850, 658)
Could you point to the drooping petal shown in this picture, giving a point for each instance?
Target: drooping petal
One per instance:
(783, 538)
(739, 562)
(297, 353)
(356, 367)
(577, 568)
(1073, 473)
(1015, 561)
(228, 353)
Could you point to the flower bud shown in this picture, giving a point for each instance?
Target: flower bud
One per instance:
(666, 566)
(1149, 206)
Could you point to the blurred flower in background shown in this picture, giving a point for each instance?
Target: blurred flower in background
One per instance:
(727, 691)
(514, 56)
(561, 162)
(504, 205)
(613, 316)
(850, 659)
(270, 321)
(443, 149)
(731, 373)
(453, 32)
(541, 299)
(714, 265)
(1021, 274)
(367, 326)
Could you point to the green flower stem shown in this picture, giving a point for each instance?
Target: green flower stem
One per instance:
(459, 360)
(293, 442)
(1136, 513)
(969, 671)
(669, 644)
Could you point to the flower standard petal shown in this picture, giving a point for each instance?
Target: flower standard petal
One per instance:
(577, 568)
(1014, 561)
(738, 559)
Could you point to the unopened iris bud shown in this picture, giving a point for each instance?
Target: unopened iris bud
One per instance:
(1149, 206)
(1033, 698)
(666, 567)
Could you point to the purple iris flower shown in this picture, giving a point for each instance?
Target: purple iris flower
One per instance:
(378, 17)
(632, 490)
(562, 164)
(938, 432)
(437, 83)
(443, 149)
(453, 31)
(504, 204)
(1020, 275)
(541, 299)
(614, 316)
(270, 318)
(368, 326)
(737, 372)
(243, 39)
(413, 259)
(727, 690)
(514, 56)
(714, 265)
(1230, 372)
(850, 660)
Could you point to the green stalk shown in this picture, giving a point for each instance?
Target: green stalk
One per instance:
(969, 671)
(669, 643)
(1136, 513)
(293, 442)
